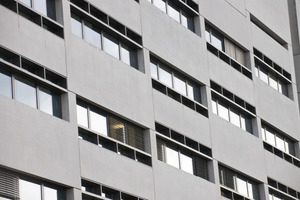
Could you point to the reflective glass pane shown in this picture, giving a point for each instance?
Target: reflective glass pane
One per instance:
(279, 142)
(250, 190)
(289, 147)
(26, 2)
(214, 106)
(50, 193)
(223, 111)
(246, 123)
(256, 70)
(186, 163)
(241, 186)
(29, 191)
(160, 4)
(234, 117)
(25, 91)
(187, 20)
(273, 82)
(125, 55)
(41, 6)
(179, 84)
(76, 25)
(270, 137)
(98, 122)
(91, 35)
(45, 100)
(253, 190)
(193, 92)
(82, 116)
(283, 88)
(207, 36)
(230, 179)
(172, 157)
(263, 75)
(217, 41)
(128, 55)
(153, 68)
(173, 11)
(111, 45)
(263, 134)
(5, 85)
(165, 76)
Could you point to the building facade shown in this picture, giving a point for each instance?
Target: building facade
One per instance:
(149, 99)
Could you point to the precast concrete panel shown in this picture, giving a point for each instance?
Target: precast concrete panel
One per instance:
(114, 170)
(173, 183)
(108, 82)
(232, 80)
(273, 107)
(38, 143)
(274, 14)
(173, 43)
(237, 148)
(227, 19)
(272, 49)
(32, 41)
(181, 118)
(282, 171)
(125, 12)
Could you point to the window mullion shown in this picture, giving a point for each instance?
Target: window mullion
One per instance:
(179, 159)
(37, 90)
(42, 192)
(82, 28)
(13, 94)
(88, 117)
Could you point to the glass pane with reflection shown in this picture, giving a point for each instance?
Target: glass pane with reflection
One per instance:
(25, 91)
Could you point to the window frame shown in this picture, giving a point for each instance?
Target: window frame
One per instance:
(159, 65)
(286, 140)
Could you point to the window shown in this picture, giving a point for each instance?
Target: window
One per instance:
(25, 91)
(271, 79)
(96, 191)
(223, 44)
(109, 44)
(279, 191)
(36, 191)
(175, 80)
(272, 74)
(231, 114)
(76, 25)
(45, 7)
(178, 12)
(108, 125)
(91, 34)
(239, 183)
(277, 139)
(182, 158)
(5, 85)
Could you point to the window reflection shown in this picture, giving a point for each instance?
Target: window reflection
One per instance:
(25, 92)
(76, 25)
(82, 116)
(46, 101)
(29, 190)
(5, 85)
(98, 122)
(110, 45)
(173, 11)
(91, 35)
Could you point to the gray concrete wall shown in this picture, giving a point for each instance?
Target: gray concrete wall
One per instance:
(47, 147)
